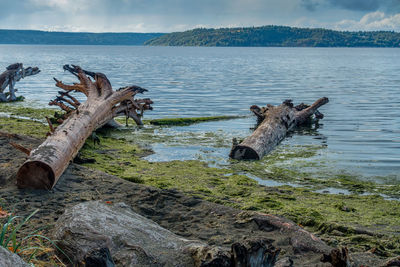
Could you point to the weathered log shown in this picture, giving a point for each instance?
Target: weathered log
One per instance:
(10, 77)
(133, 240)
(274, 123)
(46, 163)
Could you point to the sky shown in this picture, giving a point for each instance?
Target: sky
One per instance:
(180, 15)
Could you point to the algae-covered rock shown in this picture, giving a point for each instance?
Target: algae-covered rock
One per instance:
(9, 259)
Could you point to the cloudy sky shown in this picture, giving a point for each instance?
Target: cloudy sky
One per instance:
(178, 15)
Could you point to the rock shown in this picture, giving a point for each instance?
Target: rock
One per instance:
(9, 259)
(131, 238)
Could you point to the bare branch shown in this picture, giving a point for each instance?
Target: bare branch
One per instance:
(62, 93)
(60, 98)
(126, 93)
(97, 88)
(76, 87)
(50, 125)
(61, 105)
(25, 150)
(302, 115)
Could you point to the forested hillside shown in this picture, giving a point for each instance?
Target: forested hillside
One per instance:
(277, 36)
(73, 38)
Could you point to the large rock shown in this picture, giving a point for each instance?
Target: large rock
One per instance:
(9, 259)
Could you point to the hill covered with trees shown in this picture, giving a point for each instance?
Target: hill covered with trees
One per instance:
(277, 36)
(73, 38)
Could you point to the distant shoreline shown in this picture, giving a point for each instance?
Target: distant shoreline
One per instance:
(221, 47)
(33, 37)
(277, 36)
(265, 36)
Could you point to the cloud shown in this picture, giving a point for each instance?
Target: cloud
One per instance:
(374, 21)
(353, 5)
(310, 5)
(359, 5)
(178, 15)
(143, 15)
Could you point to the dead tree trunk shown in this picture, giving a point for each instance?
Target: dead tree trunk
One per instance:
(47, 162)
(274, 123)
(10, 77)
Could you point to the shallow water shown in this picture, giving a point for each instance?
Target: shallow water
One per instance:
(360, 133)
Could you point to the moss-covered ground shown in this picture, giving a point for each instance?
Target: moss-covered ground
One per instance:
(362, 222)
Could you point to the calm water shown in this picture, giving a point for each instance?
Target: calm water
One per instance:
(359, 134)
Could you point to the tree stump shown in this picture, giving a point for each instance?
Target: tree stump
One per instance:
(10, 77)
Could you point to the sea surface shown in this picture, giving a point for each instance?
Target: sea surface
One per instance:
(360, 134)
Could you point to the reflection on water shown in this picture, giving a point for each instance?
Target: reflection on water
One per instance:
(360, 131)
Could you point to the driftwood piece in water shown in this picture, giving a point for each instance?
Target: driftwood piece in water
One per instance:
(46, 163)
(10, 77)
(274, 123)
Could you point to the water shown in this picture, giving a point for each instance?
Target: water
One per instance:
(360, 133)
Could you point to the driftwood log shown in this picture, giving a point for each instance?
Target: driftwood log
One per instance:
(129, 239)
(274, 123)
(10, 77)
(46, 163)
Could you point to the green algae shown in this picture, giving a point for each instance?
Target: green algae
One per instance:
(297, 165)
(23, 127)
(338, 219)
(179, 121)
(19, 110)
(362, 222)
(188, 121)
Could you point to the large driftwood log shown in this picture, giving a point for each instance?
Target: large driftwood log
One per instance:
(274, 123)
(46, 163)
(10, 77)
(130, 239)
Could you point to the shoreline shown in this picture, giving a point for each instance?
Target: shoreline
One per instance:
(363, 223)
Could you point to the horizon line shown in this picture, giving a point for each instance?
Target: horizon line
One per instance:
(206, 28)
